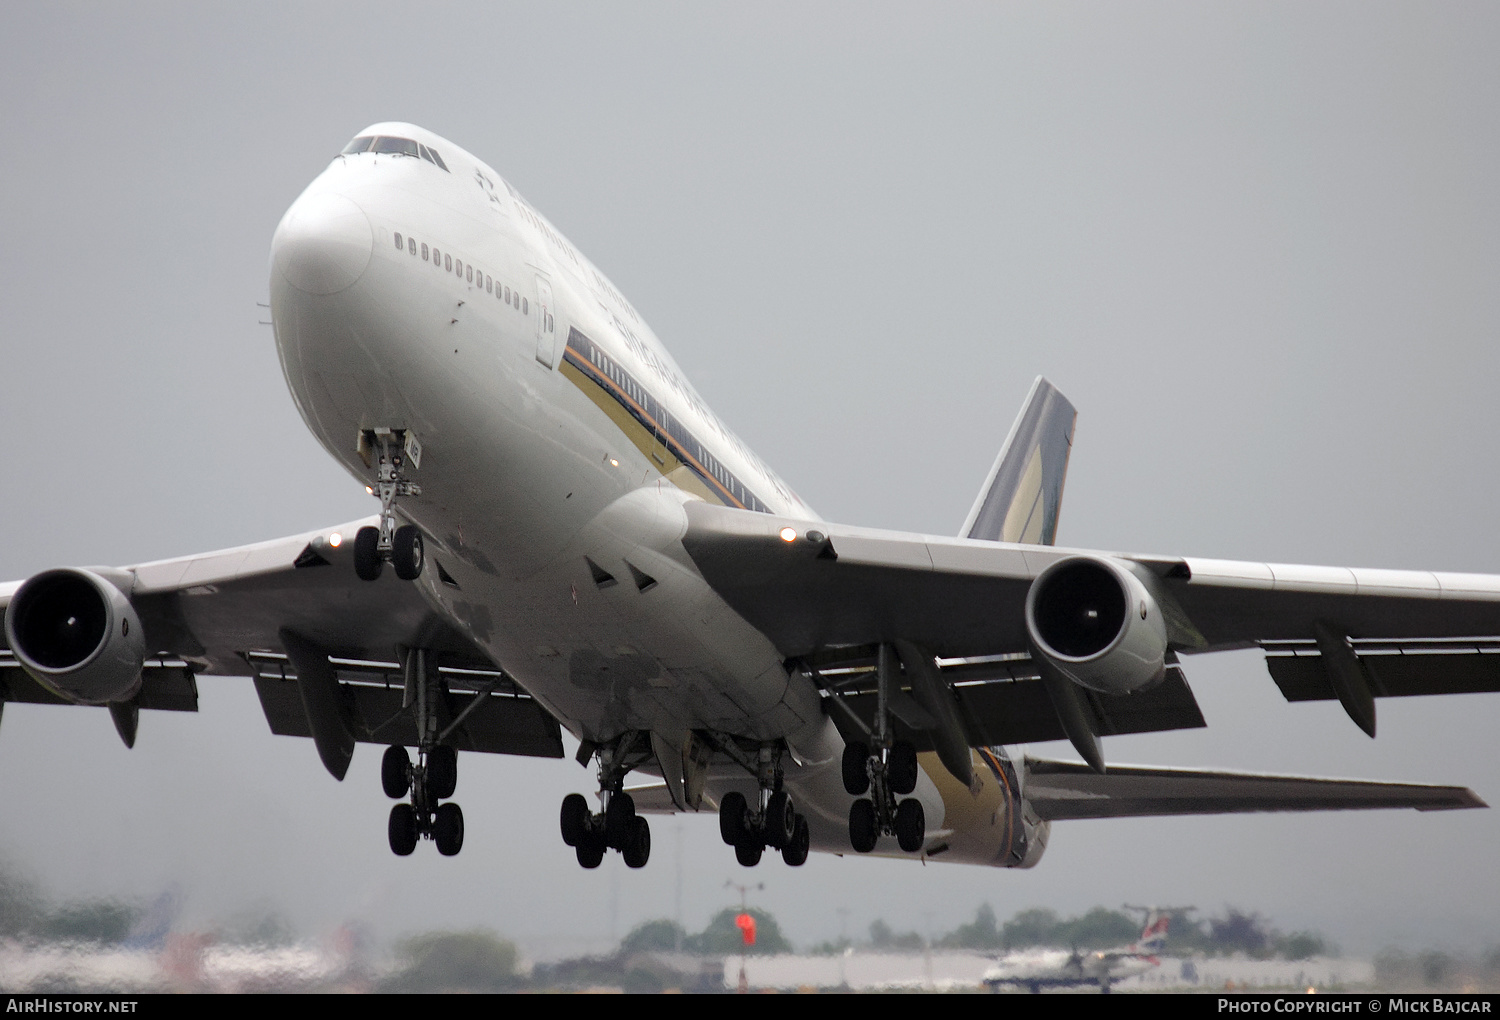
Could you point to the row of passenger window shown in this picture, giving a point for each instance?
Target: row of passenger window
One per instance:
(448, 264)
(394, 147)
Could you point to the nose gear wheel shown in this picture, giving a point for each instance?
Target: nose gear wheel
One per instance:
(389, 452)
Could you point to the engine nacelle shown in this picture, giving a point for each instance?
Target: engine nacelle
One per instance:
(1094, 620)
(77, 635)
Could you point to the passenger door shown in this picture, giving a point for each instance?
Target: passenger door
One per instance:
(546, 334)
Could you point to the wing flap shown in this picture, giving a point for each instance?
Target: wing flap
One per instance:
(1013, 708)
(165, 686)
(1395, 669)
(506, 723)
(1063, 791)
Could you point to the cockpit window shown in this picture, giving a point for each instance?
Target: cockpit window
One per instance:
(394, 146)
(398, 146)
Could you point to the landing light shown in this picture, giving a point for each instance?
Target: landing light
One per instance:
(369, 491)
(613, 462)
(335, 540)
(789, 534)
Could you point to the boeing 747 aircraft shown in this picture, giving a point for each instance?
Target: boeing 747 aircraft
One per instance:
(568, 537)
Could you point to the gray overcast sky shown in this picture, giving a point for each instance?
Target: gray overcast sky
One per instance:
(1256, 244)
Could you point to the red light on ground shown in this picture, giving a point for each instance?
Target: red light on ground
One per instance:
(746, 924)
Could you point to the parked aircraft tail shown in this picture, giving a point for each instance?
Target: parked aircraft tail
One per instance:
(1154, 936)
(1022, 496)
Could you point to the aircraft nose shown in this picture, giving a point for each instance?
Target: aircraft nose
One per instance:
(323, 244)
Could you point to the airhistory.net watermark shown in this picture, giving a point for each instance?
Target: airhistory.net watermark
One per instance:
(67, 1004)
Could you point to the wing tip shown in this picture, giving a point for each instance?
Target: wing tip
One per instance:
(1461, 799)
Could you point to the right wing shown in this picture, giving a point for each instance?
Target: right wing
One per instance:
(258, 610)
(1061, 791)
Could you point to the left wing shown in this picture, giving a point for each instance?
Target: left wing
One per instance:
(1060, 791)
(834, 593)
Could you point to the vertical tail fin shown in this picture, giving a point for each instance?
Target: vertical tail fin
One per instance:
(1022, 496)
(1154, 936)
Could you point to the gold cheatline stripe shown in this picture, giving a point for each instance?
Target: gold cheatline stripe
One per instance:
(608, 395)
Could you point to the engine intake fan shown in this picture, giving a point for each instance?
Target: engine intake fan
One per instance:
(1094, 621)
(77, 635)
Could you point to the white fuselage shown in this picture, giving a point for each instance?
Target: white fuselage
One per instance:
(1043, 968)
(559, 440)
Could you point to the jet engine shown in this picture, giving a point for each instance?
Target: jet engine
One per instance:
(1097, 624)
(77, 635)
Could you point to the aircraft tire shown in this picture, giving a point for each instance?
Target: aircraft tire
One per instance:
(748, 853)
(590, 853)
(902, 768)
(732, 818)
(862, 830)
(911, 825)
(367, 562)
(856, 773)
(407, 555)
(401, 830)
(780, 821)
(575, 819)
(448, 829)
(395, 771)
(442, 772)
(638, 843)
(795, 853)
(617, 819)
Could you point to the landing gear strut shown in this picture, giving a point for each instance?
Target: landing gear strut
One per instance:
(431, 779)
(773, 822)
(886, 769)
(617, 827)
(389, 451)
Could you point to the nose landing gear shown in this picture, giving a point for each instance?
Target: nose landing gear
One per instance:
(389, 451)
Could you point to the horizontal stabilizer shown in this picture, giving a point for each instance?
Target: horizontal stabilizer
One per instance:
(1022, 496)
(653, 798)
(1062, 791)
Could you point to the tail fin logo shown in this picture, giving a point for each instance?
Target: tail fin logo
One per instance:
(1154, 935)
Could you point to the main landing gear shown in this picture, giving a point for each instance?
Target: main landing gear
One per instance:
(617, 827)
(431, 780)
(390, 450)
(884, 778)
(886, 770)
(773, 822)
